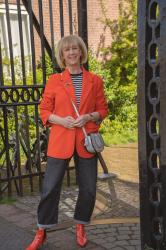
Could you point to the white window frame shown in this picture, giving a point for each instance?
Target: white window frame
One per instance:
(13, 10)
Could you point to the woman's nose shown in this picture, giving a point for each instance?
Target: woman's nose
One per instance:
(71, 50)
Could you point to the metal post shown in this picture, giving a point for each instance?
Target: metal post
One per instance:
(152, 122)
(162, 55)
(82, 21)
(61, 17)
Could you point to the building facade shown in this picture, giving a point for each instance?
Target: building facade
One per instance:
(98, 34)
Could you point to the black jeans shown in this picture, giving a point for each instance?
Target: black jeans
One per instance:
(86, 172)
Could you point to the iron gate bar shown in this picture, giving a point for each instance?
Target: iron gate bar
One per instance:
(32, 18)
(24, 83)
(52, 37)
(1, 68)
(34, 21)
(1, 84)
(21, 42)
(38, 143)
(18, 163)
(28, 6)
(28, 144)
(10, 42)
(70, 17)
(42, 39)
(10, 167)
(13, 83)
(61, 17)
(7, 150)
(82, 22)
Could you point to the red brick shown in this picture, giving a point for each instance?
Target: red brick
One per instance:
(98, 34)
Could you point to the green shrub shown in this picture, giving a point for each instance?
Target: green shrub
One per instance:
(119, 72)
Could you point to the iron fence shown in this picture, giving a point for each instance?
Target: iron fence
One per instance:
(23, 140)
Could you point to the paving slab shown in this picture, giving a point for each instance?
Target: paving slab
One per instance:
(13, 237)
(17, 221)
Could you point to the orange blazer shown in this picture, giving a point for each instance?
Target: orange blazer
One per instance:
(56, 99)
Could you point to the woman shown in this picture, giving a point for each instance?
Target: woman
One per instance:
(66, 139)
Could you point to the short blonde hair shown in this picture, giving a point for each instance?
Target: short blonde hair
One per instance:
(70, 40)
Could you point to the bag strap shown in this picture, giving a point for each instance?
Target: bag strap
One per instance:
(77, 113)
(75, 109)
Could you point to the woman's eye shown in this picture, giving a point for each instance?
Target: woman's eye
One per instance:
(71, 48)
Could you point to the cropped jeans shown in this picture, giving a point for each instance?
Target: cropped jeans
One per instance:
(86, 174)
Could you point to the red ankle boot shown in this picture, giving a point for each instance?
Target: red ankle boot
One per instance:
(80, 235)
(40, 237)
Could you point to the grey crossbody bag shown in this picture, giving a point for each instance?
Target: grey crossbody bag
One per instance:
(93, 141)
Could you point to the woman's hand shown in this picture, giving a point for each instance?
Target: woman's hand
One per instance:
(81, 120)
(67, 122)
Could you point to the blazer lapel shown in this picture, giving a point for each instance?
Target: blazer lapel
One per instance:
(68, 85)
(87, 85)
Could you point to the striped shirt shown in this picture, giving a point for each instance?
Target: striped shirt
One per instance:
(77, 82)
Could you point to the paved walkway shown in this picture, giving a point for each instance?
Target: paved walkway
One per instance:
(115, 199)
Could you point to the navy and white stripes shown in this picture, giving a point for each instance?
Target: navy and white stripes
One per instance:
(77, 82)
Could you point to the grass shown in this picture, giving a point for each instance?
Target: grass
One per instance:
(7, 200)
(120, 138)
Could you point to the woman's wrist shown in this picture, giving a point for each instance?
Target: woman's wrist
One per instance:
(91, 117)
(95, 116)
(88, 117)
(55, 119)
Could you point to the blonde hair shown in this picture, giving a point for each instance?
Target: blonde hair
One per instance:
(70, 40)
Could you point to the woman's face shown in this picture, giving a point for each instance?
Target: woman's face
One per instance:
(71, 55)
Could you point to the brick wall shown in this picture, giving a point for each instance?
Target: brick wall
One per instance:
(98, 34)
(56, 19)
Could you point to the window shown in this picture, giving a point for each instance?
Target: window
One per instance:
(14, 31)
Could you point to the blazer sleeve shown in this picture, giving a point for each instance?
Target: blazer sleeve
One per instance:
(101, 105)
(46, 106)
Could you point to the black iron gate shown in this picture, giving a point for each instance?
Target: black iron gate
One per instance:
(23, 140)
(152, 121)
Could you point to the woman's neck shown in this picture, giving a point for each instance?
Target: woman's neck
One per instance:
(74, 69)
